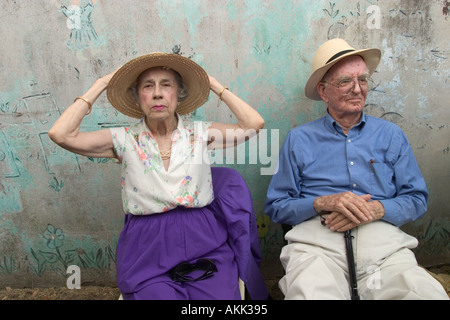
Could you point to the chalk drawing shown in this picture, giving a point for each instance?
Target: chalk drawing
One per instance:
(340, 17)
(439, 54)
(44, 112)
(395, 117)
(82, 33)
(356, 13)
(337, 29)
(55, 184)
(4, 107)
(8, 167)
(58, 256)
(331, 11)
(7, 265)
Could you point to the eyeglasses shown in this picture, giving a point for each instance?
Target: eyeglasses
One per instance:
(347, 85)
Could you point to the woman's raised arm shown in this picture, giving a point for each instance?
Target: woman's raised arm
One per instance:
(249, 121)
(66, 130)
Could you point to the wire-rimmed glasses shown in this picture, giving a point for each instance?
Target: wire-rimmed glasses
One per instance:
(347, 85)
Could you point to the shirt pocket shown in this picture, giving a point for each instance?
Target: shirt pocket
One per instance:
(381, 180)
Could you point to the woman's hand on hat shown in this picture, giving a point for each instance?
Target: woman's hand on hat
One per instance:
(107, 78)
(214, 85)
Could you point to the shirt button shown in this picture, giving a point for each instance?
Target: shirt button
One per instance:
(349, 140)
(352, 163)
(354, 185)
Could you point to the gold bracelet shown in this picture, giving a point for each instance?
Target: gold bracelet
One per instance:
(87, 101)
(220, 94)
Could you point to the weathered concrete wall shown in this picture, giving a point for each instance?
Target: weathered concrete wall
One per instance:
(58, 209)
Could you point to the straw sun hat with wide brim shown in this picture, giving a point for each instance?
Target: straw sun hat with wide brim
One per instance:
(195, 78)
(329, 54)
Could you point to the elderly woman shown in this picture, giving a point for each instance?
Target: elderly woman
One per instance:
(167, 187)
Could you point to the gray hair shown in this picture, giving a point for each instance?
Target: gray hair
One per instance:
(183, 90)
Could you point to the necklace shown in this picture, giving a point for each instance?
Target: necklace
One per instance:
(165, 155)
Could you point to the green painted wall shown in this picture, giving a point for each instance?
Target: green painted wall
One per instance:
(59, 209)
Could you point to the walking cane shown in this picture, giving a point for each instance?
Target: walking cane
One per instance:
(351, 265)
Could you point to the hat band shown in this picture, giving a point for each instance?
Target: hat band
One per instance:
(337, 55)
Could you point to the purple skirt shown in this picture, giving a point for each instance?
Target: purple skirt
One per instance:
(151, 245)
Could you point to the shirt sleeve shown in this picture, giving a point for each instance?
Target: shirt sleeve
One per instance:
(410, 201)
(284, 203)
(118, 136)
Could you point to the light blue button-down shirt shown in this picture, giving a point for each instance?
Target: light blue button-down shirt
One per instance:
(318, 159)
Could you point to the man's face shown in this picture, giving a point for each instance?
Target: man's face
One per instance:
(344, 87)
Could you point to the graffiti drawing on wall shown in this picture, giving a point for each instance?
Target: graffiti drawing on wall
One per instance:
(341, 20)
(54, 157)
(8, 166)
(58, 257)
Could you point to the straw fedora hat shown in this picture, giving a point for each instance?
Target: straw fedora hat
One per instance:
(195, 78)
(329, 54)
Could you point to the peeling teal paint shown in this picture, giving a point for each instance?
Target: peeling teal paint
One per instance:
(194, 13)
(8, 226)
(10, 201)
(233, 10)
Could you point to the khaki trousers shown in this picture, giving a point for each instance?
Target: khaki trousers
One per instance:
(315, 264)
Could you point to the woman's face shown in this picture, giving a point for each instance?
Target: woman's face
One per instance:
(157, 91)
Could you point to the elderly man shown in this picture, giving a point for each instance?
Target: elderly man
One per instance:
(348, 171)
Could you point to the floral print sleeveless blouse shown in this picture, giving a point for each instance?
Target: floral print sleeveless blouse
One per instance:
(147, 187)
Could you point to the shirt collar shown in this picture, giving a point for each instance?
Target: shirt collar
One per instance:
(180, 122)
(334, 127)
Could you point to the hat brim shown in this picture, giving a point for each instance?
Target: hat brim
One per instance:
(371, 57)
(194, 76)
